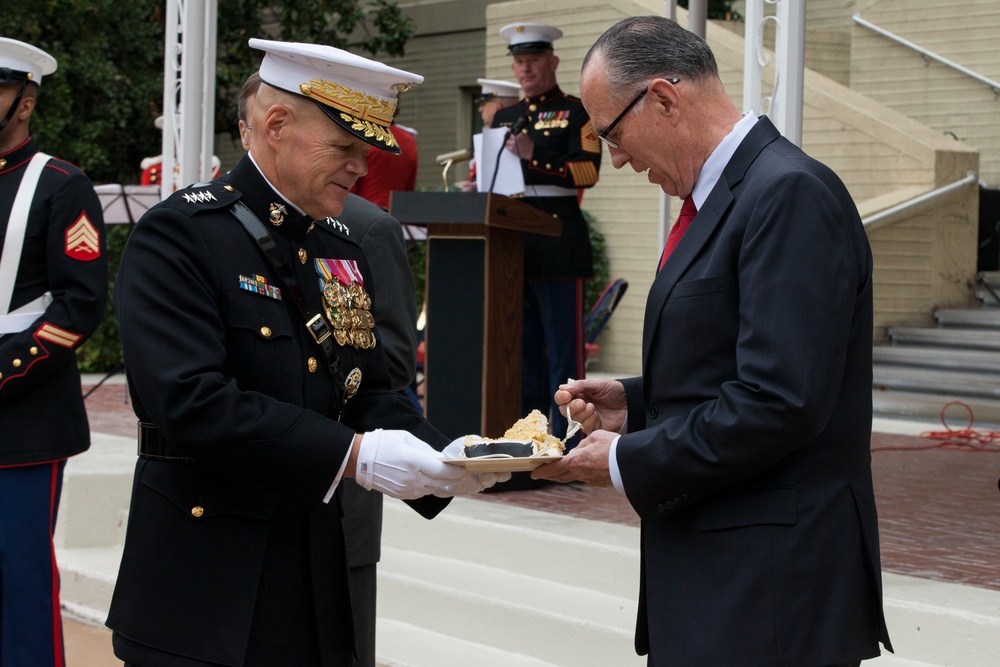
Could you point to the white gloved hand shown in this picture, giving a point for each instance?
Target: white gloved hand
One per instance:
(472, 482)
(401, 465)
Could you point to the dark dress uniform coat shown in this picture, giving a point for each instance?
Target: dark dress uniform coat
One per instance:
(748, 455)
(567, 154)
(234, 559)
(42, 415)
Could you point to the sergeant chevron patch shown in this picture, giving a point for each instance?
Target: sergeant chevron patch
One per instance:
(83, 241)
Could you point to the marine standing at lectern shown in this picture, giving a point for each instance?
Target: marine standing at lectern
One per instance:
(560, 153)
(53, 288)
(257, 372)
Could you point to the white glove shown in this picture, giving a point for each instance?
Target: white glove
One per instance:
(472, 482)
(401, 465)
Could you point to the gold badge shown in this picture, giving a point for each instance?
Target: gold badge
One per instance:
(277, 214)
(352, 383)
(346, 304)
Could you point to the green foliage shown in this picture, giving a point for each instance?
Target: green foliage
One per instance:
(602, 274)
(375, 27)
(97, 109)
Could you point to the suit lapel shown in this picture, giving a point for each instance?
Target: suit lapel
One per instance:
(709, 217)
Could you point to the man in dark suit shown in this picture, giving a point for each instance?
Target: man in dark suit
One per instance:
(258, 375)
(744, 445)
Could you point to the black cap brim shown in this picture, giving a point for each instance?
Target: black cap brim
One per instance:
(8, 75)
(525, 48)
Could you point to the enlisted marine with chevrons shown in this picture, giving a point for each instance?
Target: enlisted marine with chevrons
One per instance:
(567, 155)
(53, 290)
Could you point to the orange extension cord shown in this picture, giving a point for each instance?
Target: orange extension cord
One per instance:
(966, 439)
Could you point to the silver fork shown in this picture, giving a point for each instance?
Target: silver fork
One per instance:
(572, 426)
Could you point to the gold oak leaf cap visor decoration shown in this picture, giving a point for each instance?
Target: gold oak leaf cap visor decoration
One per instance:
(356, 93)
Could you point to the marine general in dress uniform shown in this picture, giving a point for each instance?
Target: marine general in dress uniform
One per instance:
(53, 289)
(257, 373)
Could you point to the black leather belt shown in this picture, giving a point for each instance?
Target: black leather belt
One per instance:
(152, 445)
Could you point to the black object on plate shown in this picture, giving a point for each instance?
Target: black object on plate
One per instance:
(508, 447)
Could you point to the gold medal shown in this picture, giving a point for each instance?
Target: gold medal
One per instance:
(352, 383)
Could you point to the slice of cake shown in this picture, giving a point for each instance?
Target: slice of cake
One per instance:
(528, 436)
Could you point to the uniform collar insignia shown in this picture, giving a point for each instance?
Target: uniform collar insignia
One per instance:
(277, 214)
(338, 225)
(198, 197)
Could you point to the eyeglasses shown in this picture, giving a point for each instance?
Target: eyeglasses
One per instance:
(603, 136)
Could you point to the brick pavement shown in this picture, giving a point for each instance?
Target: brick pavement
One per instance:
(939, 509)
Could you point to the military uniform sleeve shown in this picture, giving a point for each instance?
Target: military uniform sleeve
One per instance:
(77, 278)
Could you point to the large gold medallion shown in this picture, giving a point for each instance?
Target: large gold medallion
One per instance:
(346, 303)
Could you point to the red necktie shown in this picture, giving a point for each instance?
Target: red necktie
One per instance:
(688, 211)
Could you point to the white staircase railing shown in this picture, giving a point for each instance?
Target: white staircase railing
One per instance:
(885, 216)
(927, 53)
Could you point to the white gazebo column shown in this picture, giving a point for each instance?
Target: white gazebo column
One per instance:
(188, 93)
(784, 105)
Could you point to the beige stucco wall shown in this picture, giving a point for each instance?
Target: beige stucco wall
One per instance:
(963, 31)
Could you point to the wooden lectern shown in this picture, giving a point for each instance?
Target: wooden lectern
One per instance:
(474, 297)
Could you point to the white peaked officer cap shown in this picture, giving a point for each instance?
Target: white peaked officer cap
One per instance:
(356, 93)
(23, 62)
(498, 88)
(529, 37)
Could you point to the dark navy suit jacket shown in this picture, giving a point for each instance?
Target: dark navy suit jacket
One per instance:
(748, 451)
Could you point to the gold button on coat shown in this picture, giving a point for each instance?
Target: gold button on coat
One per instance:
(197, 511)
(312, 364)
(16, 363)
(303, 255)
(265, 332)
(34, 351)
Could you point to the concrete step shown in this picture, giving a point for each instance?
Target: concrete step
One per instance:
(406, 645)
(972, 339)
(992, 279)
(975, 318)
(549, 588)
(928, 406)
(957, 385)
(497, 585)
(986, 298)
(954, 359)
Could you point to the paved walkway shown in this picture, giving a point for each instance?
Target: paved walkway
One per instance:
(938, 505)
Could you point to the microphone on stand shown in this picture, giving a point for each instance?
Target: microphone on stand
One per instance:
(447, 159)
(521, 123)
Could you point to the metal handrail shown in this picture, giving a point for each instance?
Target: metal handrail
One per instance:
(927, 54)
(871, 222)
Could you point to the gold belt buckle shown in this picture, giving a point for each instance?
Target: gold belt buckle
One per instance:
(318, 328)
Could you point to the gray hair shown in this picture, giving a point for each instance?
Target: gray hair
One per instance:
(640, 48)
